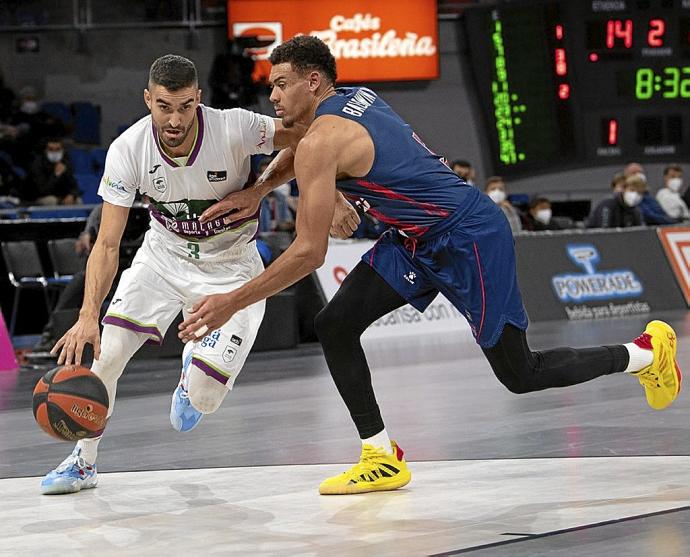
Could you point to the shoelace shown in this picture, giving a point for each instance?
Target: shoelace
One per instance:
(71, 461)
(369, 456)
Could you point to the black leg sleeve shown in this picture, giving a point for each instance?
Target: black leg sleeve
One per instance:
(362, 298)
(523, 371)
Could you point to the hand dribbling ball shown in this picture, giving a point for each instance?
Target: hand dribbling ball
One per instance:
(71, 403)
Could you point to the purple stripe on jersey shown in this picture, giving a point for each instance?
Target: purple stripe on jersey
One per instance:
(199, 137)
(156, 140)
(125, 324)
(197, 145)
(208, 370)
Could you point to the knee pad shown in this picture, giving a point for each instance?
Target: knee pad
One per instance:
(205, 393)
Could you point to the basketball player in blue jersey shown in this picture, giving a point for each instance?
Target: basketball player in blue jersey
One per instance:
(445, 236)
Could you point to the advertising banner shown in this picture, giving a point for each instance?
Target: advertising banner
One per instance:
(595, 275)
(676, 242)
(440, 316)
(387, 40)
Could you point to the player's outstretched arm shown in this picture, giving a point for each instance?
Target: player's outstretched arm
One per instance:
(100, 273)
(245, 203)
(315, 165)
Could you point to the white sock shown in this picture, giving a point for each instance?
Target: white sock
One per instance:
(379, 441)
(639, 357)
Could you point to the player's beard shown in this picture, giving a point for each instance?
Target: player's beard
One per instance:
(179, 140)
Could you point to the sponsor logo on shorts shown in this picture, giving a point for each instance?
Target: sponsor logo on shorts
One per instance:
(160, 184)
(210, 340)
(236, 340)
(217, 175)
(229, 354)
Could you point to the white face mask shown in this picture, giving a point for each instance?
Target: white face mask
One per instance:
(543, 216)
(29, 107)
(497, 196)
(54, 156)
(674, 184)
(631, 198)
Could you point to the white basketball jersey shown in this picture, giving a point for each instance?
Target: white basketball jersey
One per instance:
(179, 193)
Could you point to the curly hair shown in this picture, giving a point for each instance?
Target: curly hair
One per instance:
(173, 72)
(306, 53)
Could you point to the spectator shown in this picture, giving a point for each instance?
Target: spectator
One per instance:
(620, 210)
(72, 295)
(618, 182)
(539, 216)
(465, 170)
(669, 195)
(7, 97)
(652, 212)
(52, 177)
(495, 188)
(275, 208)
(32, 128)
(230, 78)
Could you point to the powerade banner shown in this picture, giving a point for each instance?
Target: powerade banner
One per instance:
(595, 275)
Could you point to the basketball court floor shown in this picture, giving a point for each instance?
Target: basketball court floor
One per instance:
(587, 470)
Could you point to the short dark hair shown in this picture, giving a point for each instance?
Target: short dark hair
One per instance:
(173, 72)
(461, 162)
(306, 53)
(492, 180)
(538, 201)
(676, 167)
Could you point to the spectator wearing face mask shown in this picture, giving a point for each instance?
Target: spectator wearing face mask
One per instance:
(621, 210)
(669, 195)
(652, 212)
(465, 170)
(539, 216)
(52, 177)
(495, 188)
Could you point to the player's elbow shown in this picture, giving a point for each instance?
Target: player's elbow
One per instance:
(312, 256)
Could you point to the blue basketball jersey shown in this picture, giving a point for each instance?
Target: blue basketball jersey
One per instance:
(408, 187)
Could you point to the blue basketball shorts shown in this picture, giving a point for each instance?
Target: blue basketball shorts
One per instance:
(472, 264)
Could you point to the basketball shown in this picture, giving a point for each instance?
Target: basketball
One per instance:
(71, 403)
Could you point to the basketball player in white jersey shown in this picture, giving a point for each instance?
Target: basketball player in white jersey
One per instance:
(184, 156)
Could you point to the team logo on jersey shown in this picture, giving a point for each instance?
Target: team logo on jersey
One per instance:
(160, 184)
(217, 175)
(229, 354)
(179, 210)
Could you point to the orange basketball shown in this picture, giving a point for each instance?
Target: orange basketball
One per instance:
(71, 403)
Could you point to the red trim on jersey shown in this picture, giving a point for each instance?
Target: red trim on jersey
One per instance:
(428, 208)
(481, 280)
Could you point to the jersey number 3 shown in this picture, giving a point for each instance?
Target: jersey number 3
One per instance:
(193, 248)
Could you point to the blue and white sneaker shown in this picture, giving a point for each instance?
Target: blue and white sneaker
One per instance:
(73, 474)
(183, 416)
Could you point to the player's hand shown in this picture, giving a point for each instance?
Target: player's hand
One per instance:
(243, 203)
(208, 314)
(71, 346)
(345, 220)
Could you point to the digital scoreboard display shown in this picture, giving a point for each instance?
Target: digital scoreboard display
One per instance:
(571, 83)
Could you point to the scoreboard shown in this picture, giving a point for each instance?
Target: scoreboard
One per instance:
(565, 83)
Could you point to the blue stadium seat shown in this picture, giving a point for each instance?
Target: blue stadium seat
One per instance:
(88, 184)
(58, 110)
(87, 123)
(61, 212)
(81, 161)
(98, 160)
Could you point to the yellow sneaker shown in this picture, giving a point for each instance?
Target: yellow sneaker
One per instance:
(376, 471)
(662, 379)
